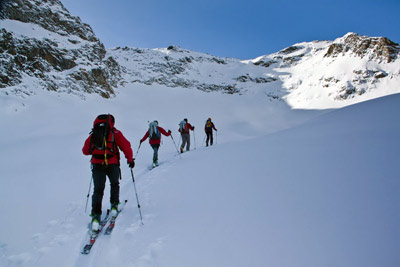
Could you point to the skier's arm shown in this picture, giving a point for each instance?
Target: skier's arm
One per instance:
(86, 147)
(145, 137)
(124, 145)
(164, 132)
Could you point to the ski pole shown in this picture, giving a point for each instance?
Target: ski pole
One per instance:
(194, 139)
(90, 187)
(137, 199)
(137, 152)
(204, 139)
(176, 146)
(179, 141)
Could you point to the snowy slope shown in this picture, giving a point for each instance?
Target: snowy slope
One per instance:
(313, 77)
(353, 80)
(270, 193)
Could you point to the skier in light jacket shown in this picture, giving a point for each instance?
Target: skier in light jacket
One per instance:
(154, 132)
(184, 129)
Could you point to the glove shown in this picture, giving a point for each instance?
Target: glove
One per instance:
(131, 164)
(169, 131)
(193, 127)
(141, 141)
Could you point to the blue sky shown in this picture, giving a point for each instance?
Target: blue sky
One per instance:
(229, 28)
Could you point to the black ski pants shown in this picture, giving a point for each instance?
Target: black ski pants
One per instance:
(155, 150)
(209, 137)
(99, 172)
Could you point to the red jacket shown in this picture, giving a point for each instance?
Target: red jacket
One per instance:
(113, 146)
(187, 129)
(155, 141)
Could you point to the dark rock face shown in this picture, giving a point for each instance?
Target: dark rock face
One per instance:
(69, 57)
(379, 48)
(49, 14)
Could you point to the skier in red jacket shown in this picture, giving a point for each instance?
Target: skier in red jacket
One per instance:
(154, 133)
(105, 162)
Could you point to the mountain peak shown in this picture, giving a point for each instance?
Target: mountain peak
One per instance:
(380, 48)
(50, 15)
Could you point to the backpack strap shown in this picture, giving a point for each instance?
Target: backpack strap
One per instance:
(113, 149)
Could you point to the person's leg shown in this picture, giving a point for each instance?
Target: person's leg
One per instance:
(99, 181)
(155, 152)
(188, 142)
(183, 142)
(208, 138)
(114, 175)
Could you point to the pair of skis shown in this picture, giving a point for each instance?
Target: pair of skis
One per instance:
(95, 234)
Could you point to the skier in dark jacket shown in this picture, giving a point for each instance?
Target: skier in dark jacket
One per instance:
(154, 133)
(208, 129)
(105, 162)
(184, 129)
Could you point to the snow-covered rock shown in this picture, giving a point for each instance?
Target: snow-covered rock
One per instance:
(176, 67)
(319, 74)
(41, 42)
(326, 74)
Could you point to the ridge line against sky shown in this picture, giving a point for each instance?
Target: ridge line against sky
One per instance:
(237, 29)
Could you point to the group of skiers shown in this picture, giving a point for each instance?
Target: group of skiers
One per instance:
(104, 143)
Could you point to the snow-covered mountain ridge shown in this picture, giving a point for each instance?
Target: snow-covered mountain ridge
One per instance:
(317, 74)
(42, 43)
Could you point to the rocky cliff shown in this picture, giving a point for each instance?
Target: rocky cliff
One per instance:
(41, 43)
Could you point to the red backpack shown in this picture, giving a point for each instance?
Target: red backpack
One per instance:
(102, 141)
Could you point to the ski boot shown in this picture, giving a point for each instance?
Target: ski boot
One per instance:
(96, 222)
(155, 163)
(114, 210)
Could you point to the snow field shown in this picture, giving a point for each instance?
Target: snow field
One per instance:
(282, 187)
